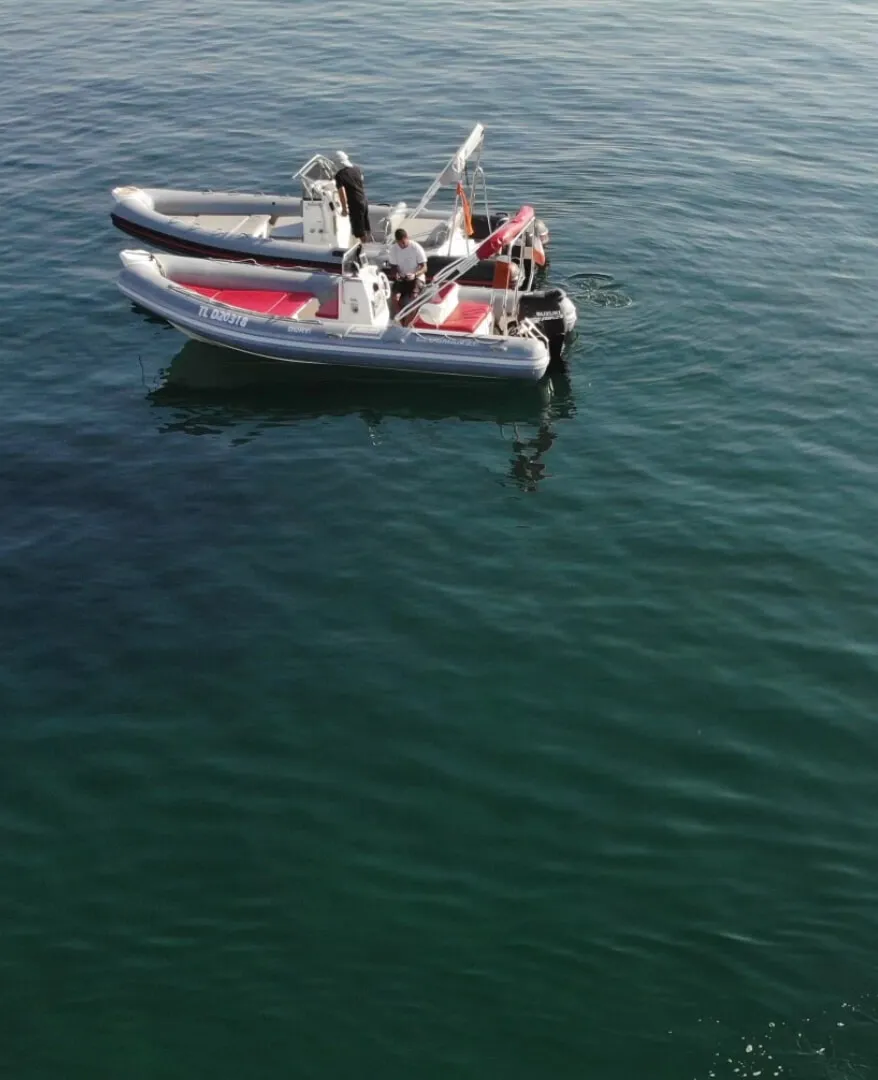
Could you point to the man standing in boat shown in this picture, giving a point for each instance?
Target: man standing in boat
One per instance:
(409, 261)
(352, 195)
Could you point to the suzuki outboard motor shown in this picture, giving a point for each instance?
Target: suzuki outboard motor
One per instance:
(554, 314)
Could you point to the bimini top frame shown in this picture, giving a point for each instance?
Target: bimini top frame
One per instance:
(496, 246)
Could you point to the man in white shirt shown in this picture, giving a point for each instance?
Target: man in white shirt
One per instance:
(409, 260)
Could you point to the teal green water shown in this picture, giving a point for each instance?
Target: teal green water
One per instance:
(401, 730)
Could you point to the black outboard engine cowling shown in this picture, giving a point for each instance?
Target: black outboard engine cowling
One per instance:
(554, 314)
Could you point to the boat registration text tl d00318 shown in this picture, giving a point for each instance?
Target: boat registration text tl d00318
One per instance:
(218, 315)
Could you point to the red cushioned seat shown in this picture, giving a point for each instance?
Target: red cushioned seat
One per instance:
(261, 300)
(292, 303)
(466, 318)
(265, 301)
(209, 291)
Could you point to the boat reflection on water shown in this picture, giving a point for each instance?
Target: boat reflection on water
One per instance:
(527, 468)
(210, 391)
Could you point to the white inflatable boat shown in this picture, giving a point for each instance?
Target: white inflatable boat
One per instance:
(313, 317)
(310, 231)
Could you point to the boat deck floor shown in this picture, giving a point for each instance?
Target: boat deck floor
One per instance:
(287, 304)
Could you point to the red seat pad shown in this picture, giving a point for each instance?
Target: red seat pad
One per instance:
(444, 291)
(292, 303)
(265, 301)
(203, 290)
(466, 318)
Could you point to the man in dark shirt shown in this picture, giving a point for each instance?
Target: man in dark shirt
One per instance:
(352, 195)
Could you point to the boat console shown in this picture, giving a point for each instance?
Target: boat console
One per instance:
(322, 219)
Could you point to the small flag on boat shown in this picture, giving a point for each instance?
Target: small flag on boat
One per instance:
(467, 214)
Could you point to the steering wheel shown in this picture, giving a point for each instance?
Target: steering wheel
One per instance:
(385, 284)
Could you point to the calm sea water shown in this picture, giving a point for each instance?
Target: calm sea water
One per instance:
(354, 730)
